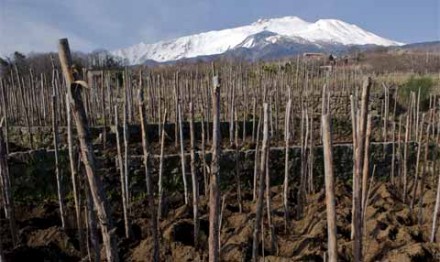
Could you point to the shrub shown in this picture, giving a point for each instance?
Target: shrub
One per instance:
(413, 84)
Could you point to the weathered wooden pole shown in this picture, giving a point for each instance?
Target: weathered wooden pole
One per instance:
(231, 117)
(74, 174)
(237, 166)
(94, 250)
(405, 158)
(386, 113)
(286, 163)
(393, 156)
(150, 194)
(5, 114)
(329, 188)
(25, 108)
(195, 184)
(182, 154)
(104, 111)
(423, 173)
(60, 191)
(160, 180)
(5, 187)
(122, 175)
(125, 118)
(419, 151)
(311, 187)
(214, 194)
(435, 215)
(437, 201)
(357, 186)
(176, 105)
(269, 204)
(261, 187)
(257, 151)
(354, 126)
(254, 112)
(203, 156)
(366, 167)
(88, 158)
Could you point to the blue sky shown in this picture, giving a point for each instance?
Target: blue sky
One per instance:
(35, 25)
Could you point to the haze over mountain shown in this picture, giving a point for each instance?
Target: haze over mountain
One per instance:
(265, 38)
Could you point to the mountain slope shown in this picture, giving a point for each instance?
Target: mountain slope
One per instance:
(288, 30)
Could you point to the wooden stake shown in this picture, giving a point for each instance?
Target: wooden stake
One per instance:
(260, 199)
(160, 180)
(150, 194)
(329, 188)
(257, 151)
(5, 187)
(286, 163)
(122, 176)
(237, 166)
(195, 184)
(182, 154)
(357, 187)
(88, 158)
(60, 191)
(214, 194)
(74, 174)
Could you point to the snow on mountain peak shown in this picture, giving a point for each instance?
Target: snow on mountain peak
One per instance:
(329, 31)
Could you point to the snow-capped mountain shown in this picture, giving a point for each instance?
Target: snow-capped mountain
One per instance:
(289, 32)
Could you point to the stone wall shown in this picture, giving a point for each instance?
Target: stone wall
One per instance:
(33, 175)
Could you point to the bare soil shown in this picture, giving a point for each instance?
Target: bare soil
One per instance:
(392, 231)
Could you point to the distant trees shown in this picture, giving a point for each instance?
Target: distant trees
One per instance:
(42, 62)
(102, 59)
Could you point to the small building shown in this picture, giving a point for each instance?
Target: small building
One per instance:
(314, 55)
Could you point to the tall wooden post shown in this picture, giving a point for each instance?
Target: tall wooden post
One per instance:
(60, 190)
(5, 187)
(122, 176)
(125, 117)
(260, 199)
(160, 180)
(74, 174)
(150, 194)
(357, 186)
(329, 188)
(214, 194)
(195, 184)
(182, 154)
(88, 158)
(5, 114)
(286, 163)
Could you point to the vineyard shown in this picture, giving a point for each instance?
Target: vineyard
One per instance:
(289, 160)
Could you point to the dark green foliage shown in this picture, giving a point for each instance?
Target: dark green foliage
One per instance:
(34, 179)
(414, 83)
